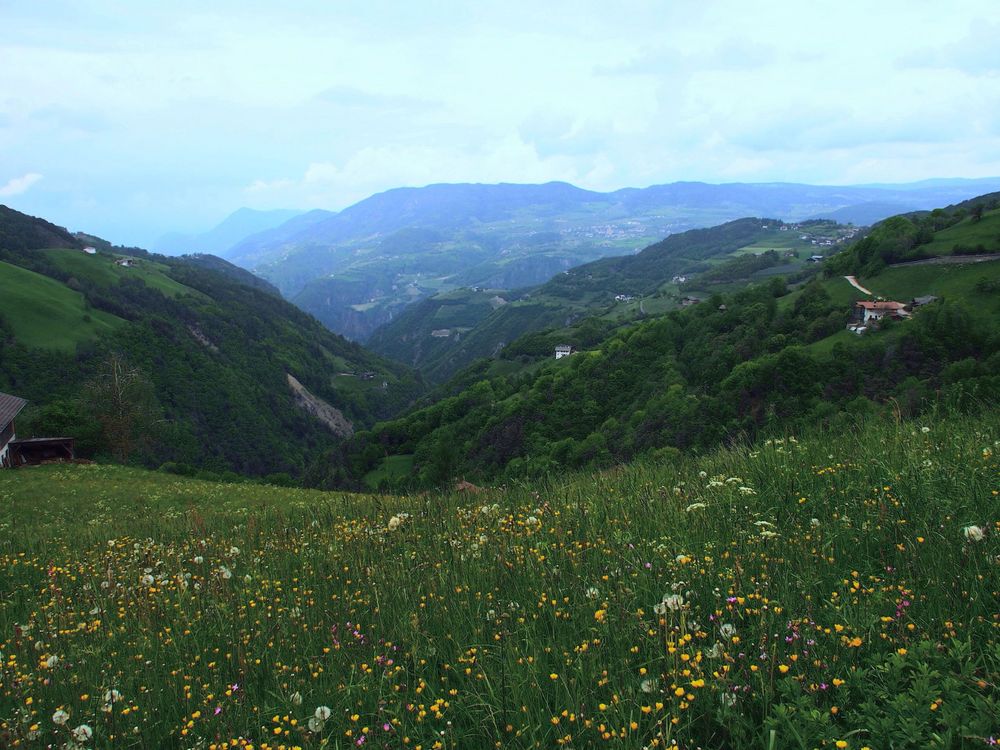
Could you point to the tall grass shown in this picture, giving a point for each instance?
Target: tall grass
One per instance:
(824, 593)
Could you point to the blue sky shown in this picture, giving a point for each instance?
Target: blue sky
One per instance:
(130, 118)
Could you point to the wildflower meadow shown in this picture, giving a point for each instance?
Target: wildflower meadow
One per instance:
(839, 591)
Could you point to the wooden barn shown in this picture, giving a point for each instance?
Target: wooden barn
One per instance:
(30, 451)
(10, 407)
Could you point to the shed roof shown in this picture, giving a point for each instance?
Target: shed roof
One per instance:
(10, 407)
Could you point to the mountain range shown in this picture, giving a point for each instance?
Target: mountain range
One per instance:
(358, 269)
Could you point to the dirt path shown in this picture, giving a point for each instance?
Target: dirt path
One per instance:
(947, 260)
(854, 282)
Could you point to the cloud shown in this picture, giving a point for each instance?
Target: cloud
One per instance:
(731, 55)
(18, 185)
(354, 98)
(976, 54)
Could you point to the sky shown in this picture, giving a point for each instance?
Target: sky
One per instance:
(132, 118)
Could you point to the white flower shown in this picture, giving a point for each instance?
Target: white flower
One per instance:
(51, 661)
(702, 474)
(323, 713)
(395, 522)
(715, 652)
(973, 533)
(198, 559)
(673, 602)
(648, 685)
(925, 430)
(728, 699)
(296, 698)
(60, 717)
(146, 580)
(530, 521)
(82, 733)
(694, 506)
(814, 522)
(592, 592)
(112, 696)
(225, 572)
(234, 551)
(727, 630)
(748, 491)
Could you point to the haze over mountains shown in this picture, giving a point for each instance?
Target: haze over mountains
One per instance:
(357, 269)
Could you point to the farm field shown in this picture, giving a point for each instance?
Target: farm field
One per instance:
(835, 591)
(44, 313)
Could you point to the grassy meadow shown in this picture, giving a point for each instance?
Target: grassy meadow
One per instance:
(839, 591)
(46, 314)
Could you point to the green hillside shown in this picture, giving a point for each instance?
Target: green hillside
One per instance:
(830, 589)
(41, 312)
(217, 375)
(102, 270)
(751, 358)
(620, 289)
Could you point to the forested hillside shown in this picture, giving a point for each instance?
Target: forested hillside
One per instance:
(207, 361)
(359, 269)
(763, 359)
(697, 262)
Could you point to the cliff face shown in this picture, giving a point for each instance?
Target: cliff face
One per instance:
(330, 416)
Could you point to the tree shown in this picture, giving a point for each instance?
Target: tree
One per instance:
(122, 401)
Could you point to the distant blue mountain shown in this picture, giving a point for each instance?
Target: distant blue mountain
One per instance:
(234, 228)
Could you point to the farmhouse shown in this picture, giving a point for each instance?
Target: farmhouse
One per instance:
(90, 250)
(10, 407)
(563, 350)
(866, 310)
(125, 262)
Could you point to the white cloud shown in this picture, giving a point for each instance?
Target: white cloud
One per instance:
(18, 185)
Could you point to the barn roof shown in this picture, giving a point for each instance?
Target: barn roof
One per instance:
(10, 407)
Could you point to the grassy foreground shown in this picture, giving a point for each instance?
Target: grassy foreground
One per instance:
(838, 592)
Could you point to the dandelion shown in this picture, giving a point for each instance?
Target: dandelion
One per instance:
(323, 713)
(60, 717)
(395, 522)
(673, 602)
(703, 474)
(82, 733)
(727, 630)
(51, 661)
(225, 572)
(198, 559)
(648, 685)
(315, 725)
(234, 551)
(973, 533)
(147, 580)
